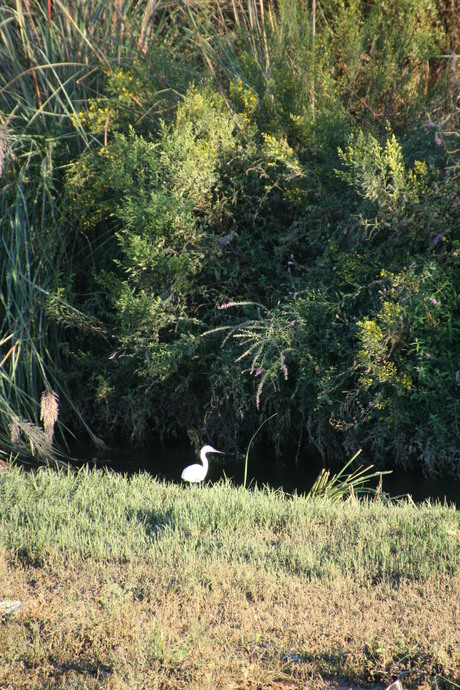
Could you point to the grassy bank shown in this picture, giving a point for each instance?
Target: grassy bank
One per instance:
(131, 583)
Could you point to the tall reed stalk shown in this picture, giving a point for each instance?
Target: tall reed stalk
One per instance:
(265, 46)
(246, 461)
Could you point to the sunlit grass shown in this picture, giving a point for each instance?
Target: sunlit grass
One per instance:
(104, 515)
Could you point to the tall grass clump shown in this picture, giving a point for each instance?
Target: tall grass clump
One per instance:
(56, 60)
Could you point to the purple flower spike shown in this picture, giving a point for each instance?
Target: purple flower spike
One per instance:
(438, 238)
(284, 367)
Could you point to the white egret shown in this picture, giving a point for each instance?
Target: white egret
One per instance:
(197, 473)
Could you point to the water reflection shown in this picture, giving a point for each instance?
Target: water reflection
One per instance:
(168, 463)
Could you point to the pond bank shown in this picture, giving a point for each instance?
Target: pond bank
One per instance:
(130, 583)
(168, 461)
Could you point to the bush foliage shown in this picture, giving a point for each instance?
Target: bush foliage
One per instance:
(223, 211)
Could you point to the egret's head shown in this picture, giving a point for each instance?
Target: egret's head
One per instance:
(210, 449)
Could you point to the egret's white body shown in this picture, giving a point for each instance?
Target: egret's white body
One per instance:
(197, 473)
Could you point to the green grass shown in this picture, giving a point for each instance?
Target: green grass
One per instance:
(130, 582)
(102, 515)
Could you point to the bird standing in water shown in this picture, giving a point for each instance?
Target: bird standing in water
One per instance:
(196, 473)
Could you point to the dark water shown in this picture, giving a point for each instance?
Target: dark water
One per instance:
(168, 463)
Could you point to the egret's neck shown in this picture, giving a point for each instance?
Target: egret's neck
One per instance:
(204, 459)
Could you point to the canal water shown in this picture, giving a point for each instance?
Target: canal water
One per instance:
(167, 464)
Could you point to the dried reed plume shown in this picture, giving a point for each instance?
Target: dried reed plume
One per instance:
(15, 431)
(49, 410)
(32, 437)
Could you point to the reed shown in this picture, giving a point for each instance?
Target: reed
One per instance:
(246, 460)
(343, 486)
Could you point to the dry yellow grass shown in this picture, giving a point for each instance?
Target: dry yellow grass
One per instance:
(181, 624)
